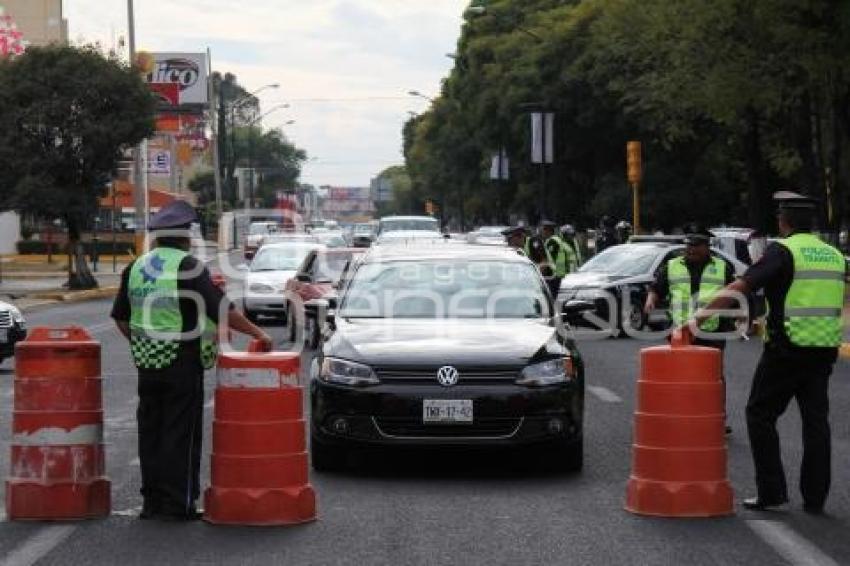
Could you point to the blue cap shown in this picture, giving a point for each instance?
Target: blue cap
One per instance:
(176, 215)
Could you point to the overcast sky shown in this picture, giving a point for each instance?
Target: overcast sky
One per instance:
(345, 66)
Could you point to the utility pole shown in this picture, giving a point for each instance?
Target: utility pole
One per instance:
(139, 160)
(219, 210)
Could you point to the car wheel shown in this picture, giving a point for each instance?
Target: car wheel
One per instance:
(567, 456)
(326, 458)
(635, 318)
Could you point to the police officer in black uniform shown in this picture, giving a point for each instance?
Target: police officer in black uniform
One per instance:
(803, 281)
(170, 412)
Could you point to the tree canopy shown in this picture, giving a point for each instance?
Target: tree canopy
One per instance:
(67, 116)
(732, 99)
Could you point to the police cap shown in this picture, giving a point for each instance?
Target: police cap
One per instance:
(547, 224)
(696, 234)
(174, 216)
(791, 200)
(513, 231)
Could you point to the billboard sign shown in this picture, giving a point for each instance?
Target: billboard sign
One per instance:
(187, 70)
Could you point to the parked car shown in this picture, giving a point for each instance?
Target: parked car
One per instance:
(13, 329)
(256, 232)
(626, 272)
(271, 268)
(432, 346)
(315, 279)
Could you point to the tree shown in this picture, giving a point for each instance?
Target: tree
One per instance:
(236, 108)
(67, 116)
(276, 160)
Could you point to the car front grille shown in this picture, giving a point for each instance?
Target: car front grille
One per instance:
(5, 319)
(466, 376)
(414, 428)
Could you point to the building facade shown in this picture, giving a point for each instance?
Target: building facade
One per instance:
(41, 21)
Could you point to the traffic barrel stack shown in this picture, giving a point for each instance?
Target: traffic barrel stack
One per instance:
(57, 465)
(679, 454)
(259, 470)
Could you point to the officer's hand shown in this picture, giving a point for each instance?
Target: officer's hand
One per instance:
(265, 340)
(649, 305)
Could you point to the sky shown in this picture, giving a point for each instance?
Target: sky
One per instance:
(344, 66)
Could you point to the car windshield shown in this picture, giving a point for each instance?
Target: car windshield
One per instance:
(329, 267)
(397, 224)
(623, 260)
(445, 289)
(286, 258)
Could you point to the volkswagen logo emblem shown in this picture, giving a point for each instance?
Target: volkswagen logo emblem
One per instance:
(447, 376)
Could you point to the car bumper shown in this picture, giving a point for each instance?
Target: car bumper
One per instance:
(265, 304)
(392, 415)
(13, 335)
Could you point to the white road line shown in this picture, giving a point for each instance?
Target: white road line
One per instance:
(604, 394)
(791, 546)
(38, 546)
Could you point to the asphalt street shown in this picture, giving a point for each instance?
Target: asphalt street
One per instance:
(451, 509)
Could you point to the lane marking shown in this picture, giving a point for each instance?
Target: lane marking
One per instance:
(604, 394)
(791, 546)
(38, 546)
(132, 512)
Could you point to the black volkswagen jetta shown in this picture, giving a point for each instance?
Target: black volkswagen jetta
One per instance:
(446, 345)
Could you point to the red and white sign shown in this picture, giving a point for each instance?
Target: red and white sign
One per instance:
(168, 93)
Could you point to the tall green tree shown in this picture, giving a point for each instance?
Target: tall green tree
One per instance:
(67, 116)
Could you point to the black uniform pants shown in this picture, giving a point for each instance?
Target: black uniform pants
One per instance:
(170, 419)
(554, 284)
(783, 374)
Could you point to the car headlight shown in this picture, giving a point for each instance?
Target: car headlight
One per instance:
(550, 372)
(343, 372)
(261, 288)
(17, 316)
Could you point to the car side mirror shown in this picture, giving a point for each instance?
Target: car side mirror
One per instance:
(324, 310)
(574, 308)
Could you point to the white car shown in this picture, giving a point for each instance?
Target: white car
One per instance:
(488, 236)
(13, 329)
(408, 224)
(256, 232)
(265, 281)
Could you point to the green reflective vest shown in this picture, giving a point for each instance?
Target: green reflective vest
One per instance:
(156, 325)
(814, 303)
(712, 280)
(565, 261)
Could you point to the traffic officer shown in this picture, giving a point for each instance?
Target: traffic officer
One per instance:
(693, 279)
(167, 307)
(559, 256)
(803, 281)
(517, 238)
(568, 234)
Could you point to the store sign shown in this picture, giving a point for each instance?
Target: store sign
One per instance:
(159, 162)
(187, 70)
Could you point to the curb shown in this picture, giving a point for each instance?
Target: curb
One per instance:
(79, 296)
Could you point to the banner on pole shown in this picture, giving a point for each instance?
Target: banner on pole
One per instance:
(543, 137)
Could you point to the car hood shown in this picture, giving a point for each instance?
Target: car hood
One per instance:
(596, 280)
(387, 342)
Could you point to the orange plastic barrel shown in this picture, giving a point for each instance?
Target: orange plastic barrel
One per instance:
(259, 467)
(679, 455)
(57, 466)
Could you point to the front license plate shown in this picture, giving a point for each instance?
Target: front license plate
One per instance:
(447, 411)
